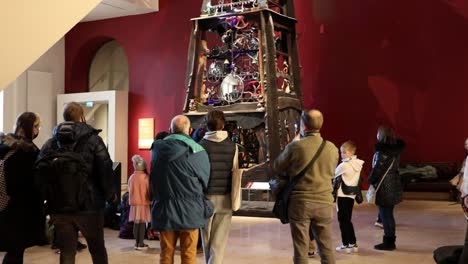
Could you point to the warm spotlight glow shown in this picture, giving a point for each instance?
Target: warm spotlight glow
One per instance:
(145, 132)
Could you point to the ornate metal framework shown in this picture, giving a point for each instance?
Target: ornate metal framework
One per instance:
(243, 60)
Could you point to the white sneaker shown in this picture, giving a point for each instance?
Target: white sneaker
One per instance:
(343, 248)
(378, 224)
(141, 247)
(354, 248)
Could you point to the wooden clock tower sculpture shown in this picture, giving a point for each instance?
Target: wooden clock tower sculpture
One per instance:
(243, 60)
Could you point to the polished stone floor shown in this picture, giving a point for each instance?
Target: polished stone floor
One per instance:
(422, 226)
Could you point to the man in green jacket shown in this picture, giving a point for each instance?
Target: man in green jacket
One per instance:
(311, 201)
(180, 170)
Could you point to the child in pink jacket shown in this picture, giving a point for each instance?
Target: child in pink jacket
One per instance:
(139, 200)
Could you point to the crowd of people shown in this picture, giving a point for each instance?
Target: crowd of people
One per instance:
(190, 192)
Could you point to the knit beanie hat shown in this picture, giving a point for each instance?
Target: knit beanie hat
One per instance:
(139, 164)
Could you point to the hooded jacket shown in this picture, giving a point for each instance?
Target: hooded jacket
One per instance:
(391, 190)
(93, 150)
(22, 222)
(180, 170)
(350, 171)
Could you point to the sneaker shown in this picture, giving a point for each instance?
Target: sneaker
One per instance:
(343, 248)
(312, 254)
(141, 247)
(378, 224)
(354, 248)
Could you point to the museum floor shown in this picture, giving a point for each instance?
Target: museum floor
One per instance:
(422, 226)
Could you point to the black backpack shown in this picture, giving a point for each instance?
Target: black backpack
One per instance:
(62, 177)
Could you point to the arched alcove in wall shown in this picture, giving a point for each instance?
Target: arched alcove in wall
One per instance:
(109, 68)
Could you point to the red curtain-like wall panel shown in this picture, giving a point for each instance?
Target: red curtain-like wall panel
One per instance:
(364, 63)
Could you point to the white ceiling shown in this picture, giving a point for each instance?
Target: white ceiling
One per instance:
(118, 8)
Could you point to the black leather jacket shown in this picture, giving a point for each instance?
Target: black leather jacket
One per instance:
(391, 190)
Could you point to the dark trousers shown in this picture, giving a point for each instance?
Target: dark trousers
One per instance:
(91, 225)
(388, 221)
(139, 233)
(13, 257)
(345, 213)
(464, 255)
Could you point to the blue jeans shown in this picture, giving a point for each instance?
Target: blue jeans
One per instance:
(388, 221)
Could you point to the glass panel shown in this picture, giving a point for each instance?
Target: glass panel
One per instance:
(96, 114)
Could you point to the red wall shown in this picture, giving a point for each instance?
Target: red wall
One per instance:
(395, 62)
(401, 63)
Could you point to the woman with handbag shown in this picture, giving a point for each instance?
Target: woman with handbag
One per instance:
(386, 180)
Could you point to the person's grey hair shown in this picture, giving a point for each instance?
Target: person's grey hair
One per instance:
(180, 124)
(139, 163)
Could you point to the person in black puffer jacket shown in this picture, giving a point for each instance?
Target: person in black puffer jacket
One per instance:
(89, 220)
(387, 160)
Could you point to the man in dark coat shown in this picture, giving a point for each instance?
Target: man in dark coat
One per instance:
(90, 221)
(180, 169)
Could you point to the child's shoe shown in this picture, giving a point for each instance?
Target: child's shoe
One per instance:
(354, 248)
(378, 224)
(343, 248)
(141, 247)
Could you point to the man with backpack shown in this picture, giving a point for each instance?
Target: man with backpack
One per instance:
(74, 174)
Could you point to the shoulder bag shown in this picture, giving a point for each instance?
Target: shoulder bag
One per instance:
(348, 190)
(371, 192)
